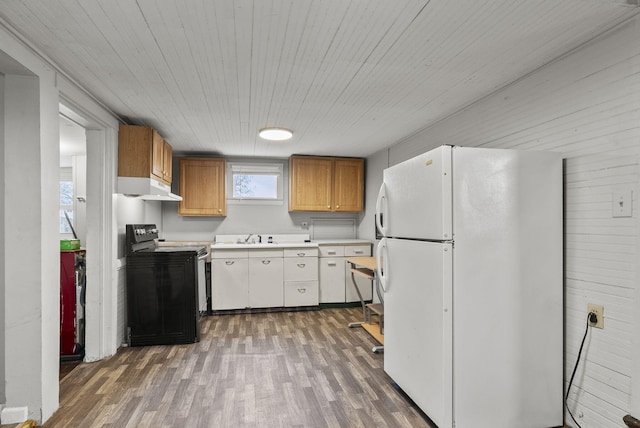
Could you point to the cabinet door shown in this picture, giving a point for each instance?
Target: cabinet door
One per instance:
(167, 169)
(332, 288)
(266, 282)
(157, 153)
(229, 283)
(310, 183)
(202, 187)
(348, 185)
(135, 151)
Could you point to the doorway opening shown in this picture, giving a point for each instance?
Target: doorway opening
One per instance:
(73, 237)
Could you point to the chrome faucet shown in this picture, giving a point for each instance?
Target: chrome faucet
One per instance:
(248, 240)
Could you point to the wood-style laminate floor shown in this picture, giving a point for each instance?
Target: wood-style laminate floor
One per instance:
(279, 369)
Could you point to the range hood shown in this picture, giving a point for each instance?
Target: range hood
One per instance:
(146, 188)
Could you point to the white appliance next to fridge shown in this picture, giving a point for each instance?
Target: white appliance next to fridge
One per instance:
(471, 264)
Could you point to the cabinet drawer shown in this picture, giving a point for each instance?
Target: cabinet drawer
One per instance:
(301, 252)
(269, 253)
(229, 254)
(331, 251)
(301, 269)
(301, 293)
(357, 250)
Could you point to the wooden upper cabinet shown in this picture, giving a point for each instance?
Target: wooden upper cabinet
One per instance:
(326, 184)
(142, 152)
(157, 152)
(348, 185)
(310, 183)
(202, 187)
(167, 171)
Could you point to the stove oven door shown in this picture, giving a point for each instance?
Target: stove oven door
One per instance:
(162, 298)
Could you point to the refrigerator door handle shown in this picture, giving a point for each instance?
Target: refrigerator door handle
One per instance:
(382, 194)
(381, 271)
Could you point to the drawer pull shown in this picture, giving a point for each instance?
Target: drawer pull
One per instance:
(331, 252)
(302, 290)
(266, 262)
(301, 265)
(331, 264)
(229, 262)
(358, 251)
(302, 254)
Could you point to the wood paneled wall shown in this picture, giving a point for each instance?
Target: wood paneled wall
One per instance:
(587, 106)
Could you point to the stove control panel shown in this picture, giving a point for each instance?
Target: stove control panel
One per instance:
(139, 234)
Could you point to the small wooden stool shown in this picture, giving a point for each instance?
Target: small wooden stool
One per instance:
(375, 309)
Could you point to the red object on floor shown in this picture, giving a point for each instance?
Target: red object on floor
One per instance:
(70, 261)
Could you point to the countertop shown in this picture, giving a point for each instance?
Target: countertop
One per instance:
(342, 241)
(206, 244)
(224, 246)
(312, 244)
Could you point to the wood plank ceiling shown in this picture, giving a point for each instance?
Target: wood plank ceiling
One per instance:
(348, 77)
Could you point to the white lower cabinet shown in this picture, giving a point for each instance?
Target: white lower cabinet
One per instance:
(332, 269)
(229, 279)
(301, 277)
(336, 285)
(266, 277)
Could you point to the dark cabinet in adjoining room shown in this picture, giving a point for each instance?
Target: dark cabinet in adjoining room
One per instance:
(72, 303)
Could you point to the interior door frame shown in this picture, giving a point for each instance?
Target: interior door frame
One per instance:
(101, 295)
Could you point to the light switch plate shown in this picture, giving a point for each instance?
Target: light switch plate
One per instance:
(622, 203)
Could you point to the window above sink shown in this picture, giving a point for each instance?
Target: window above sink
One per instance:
(255, 183)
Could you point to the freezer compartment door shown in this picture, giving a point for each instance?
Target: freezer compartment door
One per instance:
(415, 198)
(418, 324)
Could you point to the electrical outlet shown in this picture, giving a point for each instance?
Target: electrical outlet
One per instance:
(599, 311)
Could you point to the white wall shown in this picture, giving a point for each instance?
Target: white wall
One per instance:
(80, 191)
(587, 106)
(3, 395)
(240, 219)
(31, 95)
(31, 295)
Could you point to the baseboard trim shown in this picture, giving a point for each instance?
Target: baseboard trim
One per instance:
(14, 415)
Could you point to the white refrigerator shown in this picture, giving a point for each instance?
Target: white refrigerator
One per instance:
(471, 263)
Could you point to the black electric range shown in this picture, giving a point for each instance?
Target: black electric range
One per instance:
(162, 289)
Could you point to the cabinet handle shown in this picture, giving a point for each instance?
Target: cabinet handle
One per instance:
(302, 290)
(331, 252)
(329, 206)
(219, 210)
(229, 262)
(266, 262)
(302, 254)
(301, 265)
(337, 206)
(331, 264)
(358, 252)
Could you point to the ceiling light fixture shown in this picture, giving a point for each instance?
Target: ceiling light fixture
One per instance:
(275, 134)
